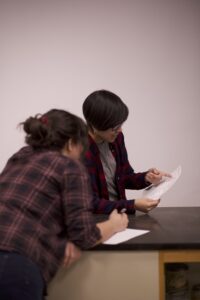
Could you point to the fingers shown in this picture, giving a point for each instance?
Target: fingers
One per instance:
(166, 174)
(159, 173)
(155, 176)
(154, 171)
(152, 204)
(69, 260)
(152, 178)
(114, 212)
(125, 219)
(146, 205)
(72, 253)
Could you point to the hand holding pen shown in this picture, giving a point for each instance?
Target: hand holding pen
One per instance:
(119, 220)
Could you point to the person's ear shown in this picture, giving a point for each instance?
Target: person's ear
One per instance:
(67, 149)
(70, 145)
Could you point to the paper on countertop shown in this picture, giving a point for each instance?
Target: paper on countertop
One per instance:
(124, 236)
(156, 191)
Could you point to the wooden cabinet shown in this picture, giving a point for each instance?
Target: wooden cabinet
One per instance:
(191, 257)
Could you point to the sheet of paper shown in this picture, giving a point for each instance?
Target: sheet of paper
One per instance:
(156, 191)
(124, 236)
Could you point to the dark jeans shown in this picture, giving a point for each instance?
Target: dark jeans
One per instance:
(20, 278)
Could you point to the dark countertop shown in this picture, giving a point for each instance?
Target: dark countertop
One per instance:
(170, 228)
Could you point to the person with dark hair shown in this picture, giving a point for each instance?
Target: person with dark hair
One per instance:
(45, 206)
(107, 160)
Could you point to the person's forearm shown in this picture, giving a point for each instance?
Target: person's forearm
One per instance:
(135, 181)
(107, 230)
(117, 222)
(103, 206)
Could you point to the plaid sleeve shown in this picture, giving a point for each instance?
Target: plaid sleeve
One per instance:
(129, 178)
(81, 226)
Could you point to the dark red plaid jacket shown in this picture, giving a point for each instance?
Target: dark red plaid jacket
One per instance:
(45, 200)
(125, 177)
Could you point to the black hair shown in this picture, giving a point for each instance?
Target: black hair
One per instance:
(103, 109)
(53, 130)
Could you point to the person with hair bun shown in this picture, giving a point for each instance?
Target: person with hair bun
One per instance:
(45, 206)
(107, 160)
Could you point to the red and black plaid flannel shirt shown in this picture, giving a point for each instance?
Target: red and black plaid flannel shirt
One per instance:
(45, 200)
(125, 177)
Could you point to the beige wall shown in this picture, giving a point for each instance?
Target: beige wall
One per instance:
(54, 52)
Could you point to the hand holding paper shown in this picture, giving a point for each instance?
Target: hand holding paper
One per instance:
(155, 176)
(145, 204)
(156, 191)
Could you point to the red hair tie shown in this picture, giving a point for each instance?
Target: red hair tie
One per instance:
(44, 120)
